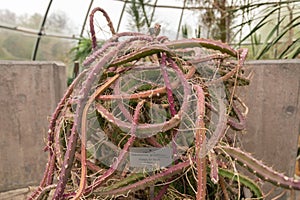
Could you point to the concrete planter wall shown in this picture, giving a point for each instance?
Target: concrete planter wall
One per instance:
(273, 121)
(29, 92)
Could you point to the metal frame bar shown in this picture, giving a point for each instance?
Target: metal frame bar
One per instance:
(86, 17)
(40, 33)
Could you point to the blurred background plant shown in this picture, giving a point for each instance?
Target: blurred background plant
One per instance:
(141, 15)
(270, 29)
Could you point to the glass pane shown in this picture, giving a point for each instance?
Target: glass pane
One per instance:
(168, 18)
(168, 3)
(114, 10)
(66, 17)
(190, 20)
(25, 15)
(54, 49)
(15, 45)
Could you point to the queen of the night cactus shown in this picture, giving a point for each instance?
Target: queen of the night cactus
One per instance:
(148, 118)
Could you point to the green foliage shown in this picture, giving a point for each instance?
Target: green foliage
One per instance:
(82, 49)
(270, 29)
(292, 51)
(184, 31)
(274, 30)
(242, 180)
(140, 15)
(78, 53)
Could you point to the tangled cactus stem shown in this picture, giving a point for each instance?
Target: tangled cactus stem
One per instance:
(173, 113)
(260, 169)
(173, 122)
(83, 134)
(243, 180)
(120, 158)
(200, 144)
(168, 85)
(72, 141)
(113, 54)
(150, 180)
(241, 124)
(67, 164)
(92, 27)
(49, 172)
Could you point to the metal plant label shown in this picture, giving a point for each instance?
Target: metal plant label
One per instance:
(150, 158)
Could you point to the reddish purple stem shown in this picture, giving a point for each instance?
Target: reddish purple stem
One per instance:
(168, 85)
(92, 28)
(121, 156)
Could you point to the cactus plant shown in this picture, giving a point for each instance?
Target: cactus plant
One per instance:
(144, 91)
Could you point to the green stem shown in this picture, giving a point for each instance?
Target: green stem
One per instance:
(243, 180)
